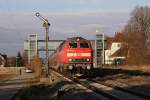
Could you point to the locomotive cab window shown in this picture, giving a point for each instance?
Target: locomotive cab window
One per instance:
(84, 45)
(73, 45)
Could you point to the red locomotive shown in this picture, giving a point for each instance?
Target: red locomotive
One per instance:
(72, 54)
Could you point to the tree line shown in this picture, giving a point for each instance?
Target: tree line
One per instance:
(137, 36)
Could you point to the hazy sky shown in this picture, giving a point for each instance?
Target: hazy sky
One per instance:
(68, 5)
(67, 17)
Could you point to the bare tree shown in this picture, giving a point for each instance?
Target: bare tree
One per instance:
(25, 58)
(139, 21)
(36, 66)
(19, 60)
(137, 35)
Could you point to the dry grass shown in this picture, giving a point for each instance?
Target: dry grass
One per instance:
(36, 66)
(131, 80)
(144, 68)
(120, 76)
(6, 76)
(135, 81)
(7, 73)
(140, 68)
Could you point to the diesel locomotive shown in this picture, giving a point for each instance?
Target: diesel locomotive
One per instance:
(74, 54)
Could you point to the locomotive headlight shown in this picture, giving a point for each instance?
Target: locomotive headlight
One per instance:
(70, 67)
(70, 59)
(86, 54)
(87, 59)
(88, 67)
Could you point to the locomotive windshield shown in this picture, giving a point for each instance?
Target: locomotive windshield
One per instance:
(73, 45)
(84, 45)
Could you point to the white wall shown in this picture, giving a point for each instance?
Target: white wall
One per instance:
(114, 47)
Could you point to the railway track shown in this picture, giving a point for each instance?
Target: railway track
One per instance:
(110, 92)
(147, 97)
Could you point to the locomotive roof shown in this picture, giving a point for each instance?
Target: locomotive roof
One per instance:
(76, 38)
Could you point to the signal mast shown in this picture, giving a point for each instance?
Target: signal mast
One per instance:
(46, 25)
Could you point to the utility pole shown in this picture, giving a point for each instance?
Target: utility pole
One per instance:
(46, 25)
(103, 49)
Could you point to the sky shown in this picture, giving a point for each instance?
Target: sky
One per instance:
(67, 17)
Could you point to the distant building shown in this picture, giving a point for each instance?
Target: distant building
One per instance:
(116, 51)
(2, 60)
(31, 46)
(99, 49)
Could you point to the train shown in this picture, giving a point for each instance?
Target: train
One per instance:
(74, 54)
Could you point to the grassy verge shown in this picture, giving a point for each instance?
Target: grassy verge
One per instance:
(144, 68)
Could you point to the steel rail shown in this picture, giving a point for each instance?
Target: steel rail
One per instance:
(145, 96)
(94, 89)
